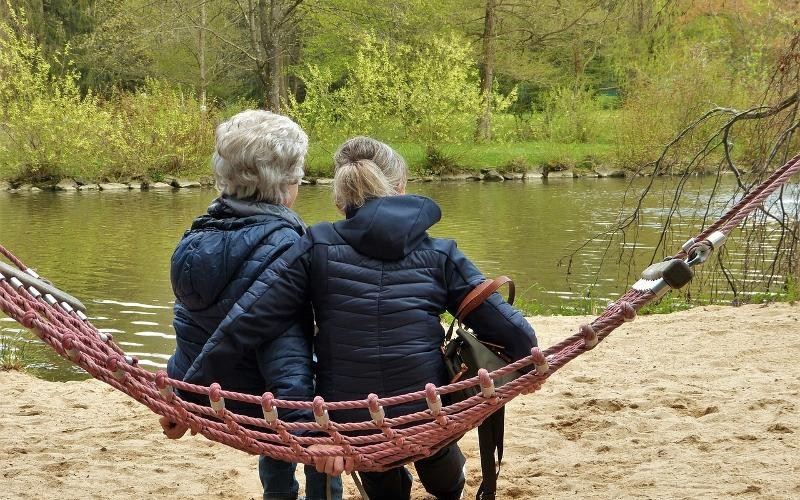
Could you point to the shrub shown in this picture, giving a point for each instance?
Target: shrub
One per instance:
(48, 129)
(570, 115)
(676, 87)
(166, 132)
(428, 92)
(437, 162)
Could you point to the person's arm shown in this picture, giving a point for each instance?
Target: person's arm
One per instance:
(285, 365)
(268, 309)
(493, 321)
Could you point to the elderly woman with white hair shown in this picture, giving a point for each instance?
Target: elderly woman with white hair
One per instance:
(258, 165)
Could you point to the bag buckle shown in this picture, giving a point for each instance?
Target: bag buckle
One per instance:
(461, 371)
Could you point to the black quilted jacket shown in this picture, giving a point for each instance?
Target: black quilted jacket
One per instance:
(214, 265)
(378, 284)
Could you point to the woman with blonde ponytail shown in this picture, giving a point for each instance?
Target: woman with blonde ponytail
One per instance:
(378, 284)
(363, 169)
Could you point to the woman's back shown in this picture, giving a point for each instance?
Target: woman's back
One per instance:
(216, 262)
(378, 285)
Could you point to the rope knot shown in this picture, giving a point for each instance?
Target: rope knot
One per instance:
(589, 336)
(28, 320)
(486, 383)
(270, 413)
(433, 399)
(113, 365)
(216, 400)
(69, 347)
(375, 409)
(539, 361)
(627, 310)
(161, 383)
(321, 413)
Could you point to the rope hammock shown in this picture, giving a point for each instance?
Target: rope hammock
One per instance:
(376, 443)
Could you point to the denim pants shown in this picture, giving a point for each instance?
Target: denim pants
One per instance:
(442, 475)
(277, 478)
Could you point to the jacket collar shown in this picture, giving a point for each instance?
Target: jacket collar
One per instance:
(226, 207)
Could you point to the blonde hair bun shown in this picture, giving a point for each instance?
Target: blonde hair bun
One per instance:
(365, 168)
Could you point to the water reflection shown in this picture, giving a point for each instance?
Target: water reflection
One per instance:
(112, 250)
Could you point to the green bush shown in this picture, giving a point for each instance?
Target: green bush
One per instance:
(570, 115)
(437, 162)
(166, 133)
(428, 92)
(48, 128)
(668, 93)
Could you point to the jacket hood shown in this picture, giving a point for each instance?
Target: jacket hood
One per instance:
(229, 213)
(391, 227)
(219, 245)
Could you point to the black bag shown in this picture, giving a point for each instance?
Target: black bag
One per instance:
(464, 355)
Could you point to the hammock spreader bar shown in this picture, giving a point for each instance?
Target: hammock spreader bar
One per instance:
(379, 442)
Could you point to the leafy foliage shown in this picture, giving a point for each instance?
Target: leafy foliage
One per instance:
(105, 88)
(570, 115)
(429, 92)
(112, 55)
(669, 93)
(50, 130)
(166, 133)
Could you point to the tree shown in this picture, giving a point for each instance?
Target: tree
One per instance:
(748, 143)
(484, 130)
(271, 26)
(113, 55)
(184, 50)
(55, 22)
(512, 27)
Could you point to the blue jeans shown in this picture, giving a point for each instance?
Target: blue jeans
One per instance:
(277, 478)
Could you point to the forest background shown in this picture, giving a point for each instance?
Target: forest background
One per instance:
(132, 89)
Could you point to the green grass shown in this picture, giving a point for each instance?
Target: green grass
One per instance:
(519, 143)
(590, 307)
(471, 157)
(790, 292)
(668, 304)
(12, 353)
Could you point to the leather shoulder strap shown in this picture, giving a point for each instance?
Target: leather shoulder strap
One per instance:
(482, 292)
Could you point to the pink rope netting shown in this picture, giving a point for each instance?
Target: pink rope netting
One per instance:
(374, 444)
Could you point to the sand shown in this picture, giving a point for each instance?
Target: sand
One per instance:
(697, 404)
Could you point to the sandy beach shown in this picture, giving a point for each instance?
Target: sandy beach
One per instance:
(696, 404)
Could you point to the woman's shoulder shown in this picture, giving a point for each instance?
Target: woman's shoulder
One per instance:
(324, 233)
(442, 245)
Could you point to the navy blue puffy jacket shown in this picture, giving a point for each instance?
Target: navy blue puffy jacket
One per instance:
(214, 264)
(378, 284)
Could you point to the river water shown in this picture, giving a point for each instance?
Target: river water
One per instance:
(112, 249)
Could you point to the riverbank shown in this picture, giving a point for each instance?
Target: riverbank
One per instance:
(173, 183)
(697, 404)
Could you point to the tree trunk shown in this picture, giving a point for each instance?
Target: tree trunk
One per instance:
(201, 57)
(577, 61)
(269, 26)
(275, 75)
(484, 129)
